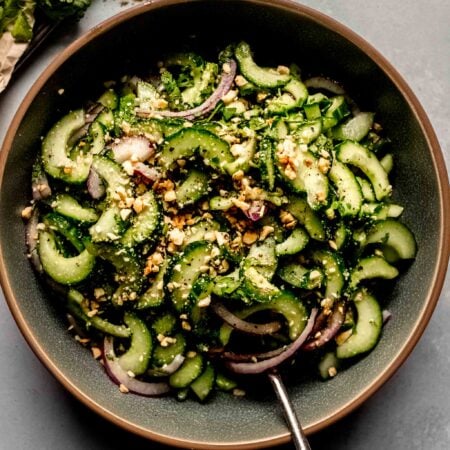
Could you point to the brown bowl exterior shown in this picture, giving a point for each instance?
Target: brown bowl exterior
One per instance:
(282, 31)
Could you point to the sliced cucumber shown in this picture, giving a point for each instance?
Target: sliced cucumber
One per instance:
(328, 365)
(336, 111)
(300, 277)
(165, 355)
(194, 94)
(164, 324)
(387, 161)
(106, 119)
(146, 224)
(244, 157)
(266, 163)
(308, 131)
(109, 226)
(137, 357)
(347, 188)
(76, 307)
(301, 210)
(381, 211)
(193, 188)
(371, 267)
(262, 77)
(55, 150)
(96, 138)
(286, 304)
(368, 327)
(109, 99)
(112, 173)
(262, 257)
(333, 267)
(184, 271)
(355, 128)
(308, 178)
(293, 96)
(128, 269)
(188, 372)
(154, 295)
(63, 226)
(200, 231)
(225, 285)
(66, 271)
(185, 143)
(224, 383)
(203, 385)
(294, 243)
(366, 189)
(68, 206)
(394, 235)
(256, 287)
(357, 155)
(220, 203)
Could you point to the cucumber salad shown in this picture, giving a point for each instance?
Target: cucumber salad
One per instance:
(211, 219)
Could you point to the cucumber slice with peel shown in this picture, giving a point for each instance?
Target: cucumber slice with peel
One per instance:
(347, 189)
(55, 150)
(146, 224)
(301, 210)
(188, 372)
(203, 385)
(371, 267)
(68, 206)
(355, 128)
(286, 304)
(188, 142)
(66, 271)
(262, 77)
(368, 327)
(137, 357)
(393, 234)
(294, 243)
(362, 158)
(184, 271)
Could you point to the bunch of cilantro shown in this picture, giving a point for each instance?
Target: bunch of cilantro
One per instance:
(16, 15)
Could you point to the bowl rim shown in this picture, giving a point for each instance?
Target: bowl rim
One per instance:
(444, 238)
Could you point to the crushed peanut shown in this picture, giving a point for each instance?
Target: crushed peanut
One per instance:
(123, 389)
(266, 230)
(26, 212)
(250, 237)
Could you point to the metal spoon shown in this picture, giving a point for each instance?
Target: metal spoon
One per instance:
(298, 436)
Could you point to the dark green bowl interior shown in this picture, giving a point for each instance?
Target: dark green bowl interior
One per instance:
(277, 36)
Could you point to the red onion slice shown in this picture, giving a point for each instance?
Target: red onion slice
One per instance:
(208, 105)
(134, 148)
(95, 185)
(31, 239)
(148, 174)
(247, 357)
(120, 376)
(249, 368)
(242, 325)
(333, 325)
(168, 369)
(256, 211)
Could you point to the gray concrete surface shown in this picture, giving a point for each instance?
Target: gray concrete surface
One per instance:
(412, 411)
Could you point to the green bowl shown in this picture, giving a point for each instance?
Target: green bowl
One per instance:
(287, 32)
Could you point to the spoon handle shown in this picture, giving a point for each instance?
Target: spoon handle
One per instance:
(298, 437)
